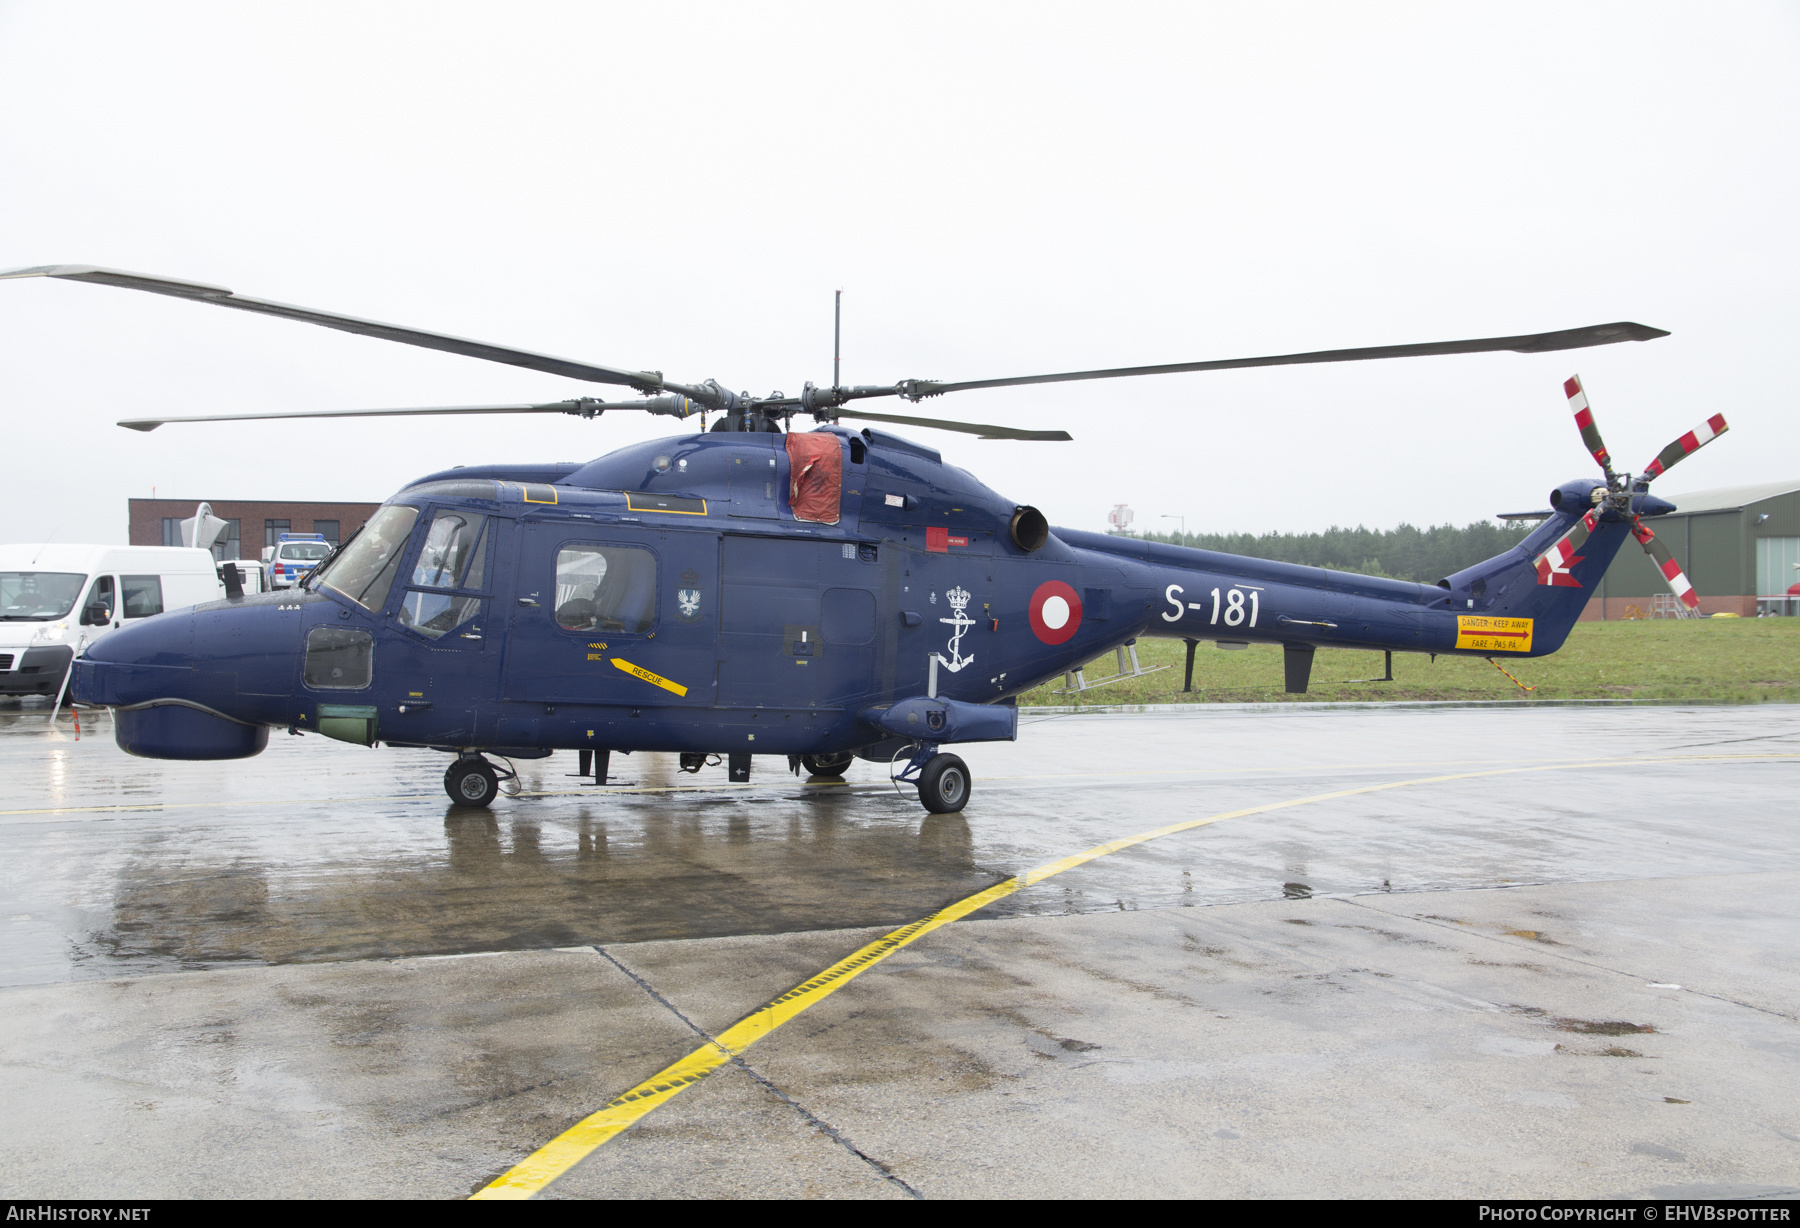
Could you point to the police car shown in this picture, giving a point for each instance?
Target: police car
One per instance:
(293, 556)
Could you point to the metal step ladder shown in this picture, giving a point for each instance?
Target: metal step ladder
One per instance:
(1075, 681)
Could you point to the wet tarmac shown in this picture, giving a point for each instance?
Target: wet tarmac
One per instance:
(239, 947)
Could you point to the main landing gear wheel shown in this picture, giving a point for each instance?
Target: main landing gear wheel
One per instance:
(944, 784)
(827, 765)
(472, 782)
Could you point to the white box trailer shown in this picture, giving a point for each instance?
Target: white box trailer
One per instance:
(55, 600)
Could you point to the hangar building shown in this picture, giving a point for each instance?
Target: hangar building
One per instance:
(1739, 547)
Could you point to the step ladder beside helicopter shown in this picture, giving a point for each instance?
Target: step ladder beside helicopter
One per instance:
(1075, 681)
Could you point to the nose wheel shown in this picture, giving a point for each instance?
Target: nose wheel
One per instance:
(472, 782)
(942, 780)
(944, 784)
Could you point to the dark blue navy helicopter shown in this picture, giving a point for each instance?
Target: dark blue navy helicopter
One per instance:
(752, 590)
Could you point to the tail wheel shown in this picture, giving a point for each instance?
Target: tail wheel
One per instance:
(827, 765)
(944, 784)
(472, 782)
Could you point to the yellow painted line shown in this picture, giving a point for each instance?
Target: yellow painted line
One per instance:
(567, 1149)
(638, 671)
(573, 1145)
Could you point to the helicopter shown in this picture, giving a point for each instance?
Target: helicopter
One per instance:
(755, 589)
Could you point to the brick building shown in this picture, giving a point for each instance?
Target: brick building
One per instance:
(157, 522)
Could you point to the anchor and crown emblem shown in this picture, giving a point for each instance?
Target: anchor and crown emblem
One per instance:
(958, 598)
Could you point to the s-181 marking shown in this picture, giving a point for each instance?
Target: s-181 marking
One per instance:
(1234, 607)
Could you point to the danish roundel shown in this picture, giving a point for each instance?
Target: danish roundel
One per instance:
(1055, 612)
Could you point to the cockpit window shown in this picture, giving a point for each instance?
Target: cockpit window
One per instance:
(364, 570)
(605, 588)
(35, 596)
(449, 547)
(434, 615)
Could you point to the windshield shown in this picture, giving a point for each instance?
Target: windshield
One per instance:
(41, 595)
(364, 569)
(306, 552)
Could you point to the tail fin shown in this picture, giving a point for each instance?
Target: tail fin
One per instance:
(1542, 578)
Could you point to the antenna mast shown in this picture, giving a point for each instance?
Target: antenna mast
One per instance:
(837, 338)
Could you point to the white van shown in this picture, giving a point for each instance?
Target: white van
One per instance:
(56, 600)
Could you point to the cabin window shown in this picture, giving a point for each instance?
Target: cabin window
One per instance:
(364, 570)
(605, 588)
(449, 551)
(143, 595)
(339, 659)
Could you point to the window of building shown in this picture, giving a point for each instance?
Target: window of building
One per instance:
(273, 529)
(171, 530)
(328, 529)
(605, 588)
(143, 595)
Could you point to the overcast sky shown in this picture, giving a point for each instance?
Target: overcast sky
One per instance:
(999, 189)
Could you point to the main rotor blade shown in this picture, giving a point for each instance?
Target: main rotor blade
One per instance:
(643, 381)
(1534, 343)
(1665, 563)
(967, 428)
(582, 408)
(1686, 446)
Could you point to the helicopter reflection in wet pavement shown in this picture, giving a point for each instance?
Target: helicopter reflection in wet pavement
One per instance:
(119, 866)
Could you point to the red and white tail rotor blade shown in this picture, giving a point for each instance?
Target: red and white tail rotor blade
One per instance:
(1666, 564)
(1686, 446)
(1584, 421)
(1553, 564)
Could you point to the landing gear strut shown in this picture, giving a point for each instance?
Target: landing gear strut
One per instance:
(472, 781)
(943, 780)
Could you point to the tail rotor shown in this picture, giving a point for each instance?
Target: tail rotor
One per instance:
(1622, 497)
(1685, 447)
(1590, 433)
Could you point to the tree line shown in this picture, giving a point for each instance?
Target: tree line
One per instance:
(1404, 553)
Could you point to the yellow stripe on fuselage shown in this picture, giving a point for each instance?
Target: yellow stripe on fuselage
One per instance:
(638, 671)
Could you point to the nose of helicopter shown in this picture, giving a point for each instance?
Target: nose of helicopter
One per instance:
(199, 683)
(143, 660)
